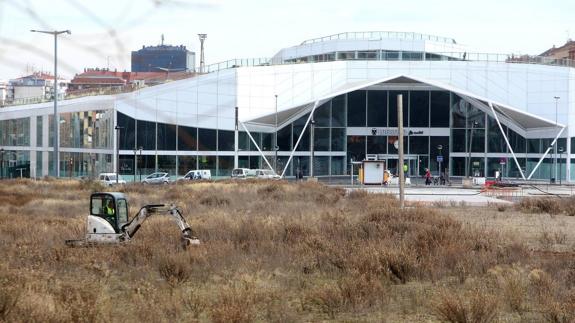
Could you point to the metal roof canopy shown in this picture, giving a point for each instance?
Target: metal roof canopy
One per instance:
(523, 121)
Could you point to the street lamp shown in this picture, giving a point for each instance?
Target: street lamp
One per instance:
(56, 117)
(439, 160)
(473, 125)
(560, 164)
(1, 163)
(140, 149)
(312, 146)
(555, 146)
(118, 128)
(276, 148)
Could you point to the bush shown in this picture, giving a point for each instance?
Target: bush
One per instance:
(479, 307)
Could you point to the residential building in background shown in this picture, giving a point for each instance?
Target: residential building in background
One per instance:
(36, 87)
(3, 92)
(480, 112)
(163, 58)
(105, 81)
(566, 51)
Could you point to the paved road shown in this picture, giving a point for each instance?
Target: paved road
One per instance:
(447, 195)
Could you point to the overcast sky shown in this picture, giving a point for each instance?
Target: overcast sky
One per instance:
(107, 31)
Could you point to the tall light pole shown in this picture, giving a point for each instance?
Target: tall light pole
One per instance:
(118, 128)
(468, 169)
(312, 146)
(560, 164)
(56, 117)
(1, 163)
(140, 149)
(276, 148)
(555, 146)
(439, 160)
(202, 62)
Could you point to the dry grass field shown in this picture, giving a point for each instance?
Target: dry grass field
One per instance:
(279, 252)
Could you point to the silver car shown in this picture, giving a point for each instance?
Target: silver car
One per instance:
(157, 178)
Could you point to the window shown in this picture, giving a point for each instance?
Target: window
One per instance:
(377, 108)
(533, 146)
(284, 138)
(122, 212)
(128, 133)
(337, 139)
(322, 115)
(187, 138)
(377, 144)
(186, 163)
(207, 140)
(356, 147)
(345, 55)
(225, 140)
(393, 107)
(419, 109)
(419, 145)
(338, 111)
(356, 102)
(321, 139)
(495, 140)
(369, 55)
(412, 56)
(146, 135)
(390, 55)
(166, 136)
(439, 109)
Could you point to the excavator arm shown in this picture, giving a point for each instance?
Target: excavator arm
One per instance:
(130, 228)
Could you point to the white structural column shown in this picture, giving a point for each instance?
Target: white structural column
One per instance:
(546, 153)
(299, 139)
(507, 141)
(45, 144)
(33, 146)
(257, 146)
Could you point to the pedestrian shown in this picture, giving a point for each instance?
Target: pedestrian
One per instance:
(427, 177)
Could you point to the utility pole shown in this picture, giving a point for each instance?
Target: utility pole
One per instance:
(400, 150)
(56, 116)
(202, 62)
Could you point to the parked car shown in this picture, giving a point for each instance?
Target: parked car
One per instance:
(266, 174)
(239, 173)
(157, 178)
(109, 179)
(197, 174)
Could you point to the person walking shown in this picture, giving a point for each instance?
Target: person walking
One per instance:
(427, 177)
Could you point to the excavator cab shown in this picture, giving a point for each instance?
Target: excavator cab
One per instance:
(112, 207)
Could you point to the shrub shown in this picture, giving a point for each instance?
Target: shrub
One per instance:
(174, 270)
(547, 205)
(479, 307)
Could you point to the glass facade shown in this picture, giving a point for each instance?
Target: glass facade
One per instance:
(347, 127)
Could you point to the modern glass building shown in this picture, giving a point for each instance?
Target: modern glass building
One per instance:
(480, 112)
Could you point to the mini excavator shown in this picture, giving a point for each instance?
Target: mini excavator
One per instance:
(109, 223)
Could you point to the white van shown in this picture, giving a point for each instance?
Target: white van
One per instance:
(197, 174)
(109, 179)
(240, 172)
(266, 174)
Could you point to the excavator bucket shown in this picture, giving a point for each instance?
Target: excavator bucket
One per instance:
(186, 242)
